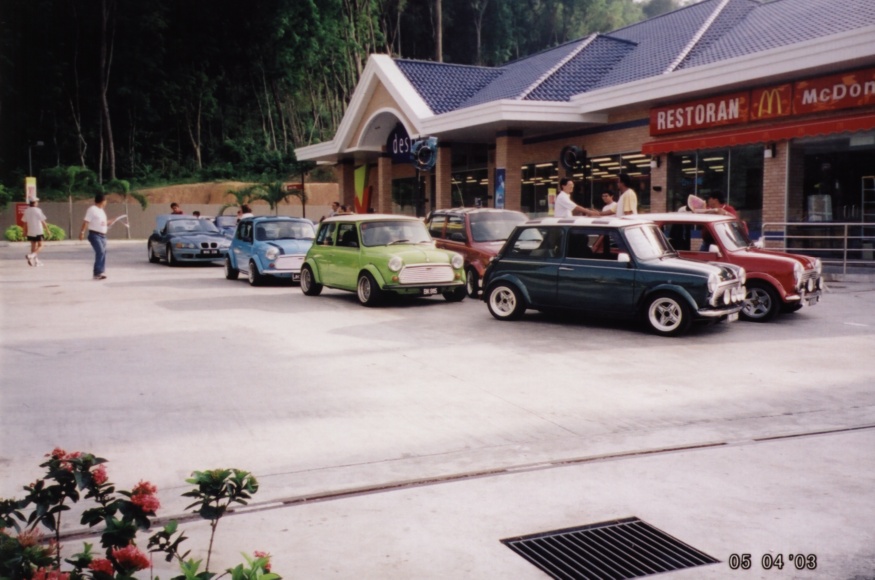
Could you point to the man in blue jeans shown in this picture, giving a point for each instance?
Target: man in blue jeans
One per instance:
(96, 225)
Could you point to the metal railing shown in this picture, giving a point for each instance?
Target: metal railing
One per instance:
(845, 244)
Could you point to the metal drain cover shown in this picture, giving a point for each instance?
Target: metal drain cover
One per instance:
(627, 548)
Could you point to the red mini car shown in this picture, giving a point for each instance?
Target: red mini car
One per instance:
(476, 233)
(776, 281)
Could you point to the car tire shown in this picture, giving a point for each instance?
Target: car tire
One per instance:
(231, 273)
(668, 314)
(761, 303)
(472, 283)
(255, 277)
(369, 294)
(456, 294)
(505, 302)
(309, 286)
(153, 257)
(168, 256)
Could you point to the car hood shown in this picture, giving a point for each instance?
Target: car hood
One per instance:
(723, 270)
(290, 246)
(198, 236)
(770, 256)
(419, 255)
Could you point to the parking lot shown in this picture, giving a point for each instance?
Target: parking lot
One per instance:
(406, 441)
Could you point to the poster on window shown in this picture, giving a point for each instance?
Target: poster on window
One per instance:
(499, 188)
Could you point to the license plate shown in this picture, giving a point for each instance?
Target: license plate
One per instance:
(732, 317)
(429, 291)
(296, 277)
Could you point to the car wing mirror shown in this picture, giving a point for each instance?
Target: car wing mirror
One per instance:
(624, 258)
(715, 249)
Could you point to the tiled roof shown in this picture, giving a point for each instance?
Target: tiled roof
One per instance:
(703, 33)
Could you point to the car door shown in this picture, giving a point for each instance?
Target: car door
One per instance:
(345, 257)
(243, 246)
(533, 258)
(323, 252)
(591, 278)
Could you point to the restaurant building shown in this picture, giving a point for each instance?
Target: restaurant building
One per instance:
(770, 103)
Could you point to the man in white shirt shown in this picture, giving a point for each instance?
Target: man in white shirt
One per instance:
(628, 202)
(95, 223)
(34, 228)
(610, 206)
(564, 206)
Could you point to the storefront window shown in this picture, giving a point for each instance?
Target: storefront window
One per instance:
(537, 179)
(470, 188)
(601, 176)
(736, 172)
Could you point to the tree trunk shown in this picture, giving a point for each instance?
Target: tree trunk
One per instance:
(438, 31)
(106, 46)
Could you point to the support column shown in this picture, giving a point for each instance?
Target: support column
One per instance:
(509, 156)
(346, 181)
(383, 203)
(442, 197)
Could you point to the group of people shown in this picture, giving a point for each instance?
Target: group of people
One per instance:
(627, 204)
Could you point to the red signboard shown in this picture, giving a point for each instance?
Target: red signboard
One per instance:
(701, 114)
(829, 93)
(842, 91)
(19, 213)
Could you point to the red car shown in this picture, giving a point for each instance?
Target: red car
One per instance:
(476, 233)
(776, 281)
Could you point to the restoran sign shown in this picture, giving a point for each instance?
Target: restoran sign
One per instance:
(829, 93)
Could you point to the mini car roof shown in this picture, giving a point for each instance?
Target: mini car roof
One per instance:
(370, 217)
(590, 221)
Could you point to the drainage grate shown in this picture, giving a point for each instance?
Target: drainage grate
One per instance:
(627, 548)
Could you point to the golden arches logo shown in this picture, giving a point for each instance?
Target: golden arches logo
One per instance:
(771, 103)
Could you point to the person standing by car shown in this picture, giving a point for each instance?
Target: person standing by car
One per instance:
(34, 228)
(610, 206)
(95, 223)
(717, 204)
(564, 206)
(175, 209)
(628, 202)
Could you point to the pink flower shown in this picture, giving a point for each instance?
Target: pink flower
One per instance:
(43, 574)
(29, 538)
(260, 554)
(57, 453)
(143, 496)
(144, 487)
(99, 475)
(102, 565)
(130, 558)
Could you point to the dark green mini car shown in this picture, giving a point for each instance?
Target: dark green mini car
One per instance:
(611, 268)
(374, 255)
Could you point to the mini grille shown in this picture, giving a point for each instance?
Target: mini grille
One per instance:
(627, 548)
(289, 262)
(426, 274)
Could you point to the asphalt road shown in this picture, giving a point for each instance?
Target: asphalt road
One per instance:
(377, 413)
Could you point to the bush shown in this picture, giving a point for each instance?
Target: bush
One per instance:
(53, 233)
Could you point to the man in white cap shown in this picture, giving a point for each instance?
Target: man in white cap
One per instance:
(34, 228)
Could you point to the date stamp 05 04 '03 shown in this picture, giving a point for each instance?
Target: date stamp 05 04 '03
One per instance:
(774, 561)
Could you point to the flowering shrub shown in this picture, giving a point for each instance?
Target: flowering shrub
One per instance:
(25, 554)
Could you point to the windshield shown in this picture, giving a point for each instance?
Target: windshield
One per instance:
(383, 233)
(283, 230)
(733, 235)
(226, 221)
(647, 242)
(190, 226)
(494, 226)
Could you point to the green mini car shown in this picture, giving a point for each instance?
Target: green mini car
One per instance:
(376, 254)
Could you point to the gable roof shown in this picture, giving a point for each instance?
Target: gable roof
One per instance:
(704, 33)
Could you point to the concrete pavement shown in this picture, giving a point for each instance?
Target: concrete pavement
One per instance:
(407, 441)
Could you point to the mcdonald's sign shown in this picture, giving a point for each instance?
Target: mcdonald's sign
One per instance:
(771, 102)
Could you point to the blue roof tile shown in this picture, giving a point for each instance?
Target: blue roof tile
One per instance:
(703, 33)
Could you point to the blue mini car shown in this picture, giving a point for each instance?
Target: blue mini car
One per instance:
(269, 247)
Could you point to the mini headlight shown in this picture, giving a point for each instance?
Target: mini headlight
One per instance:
(271, 253)
(458, 261)
(797, 272)
(742, 275)
(818, 266)
(713, 283)
(395, 264)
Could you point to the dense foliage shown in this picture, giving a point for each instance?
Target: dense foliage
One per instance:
(154, 91)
